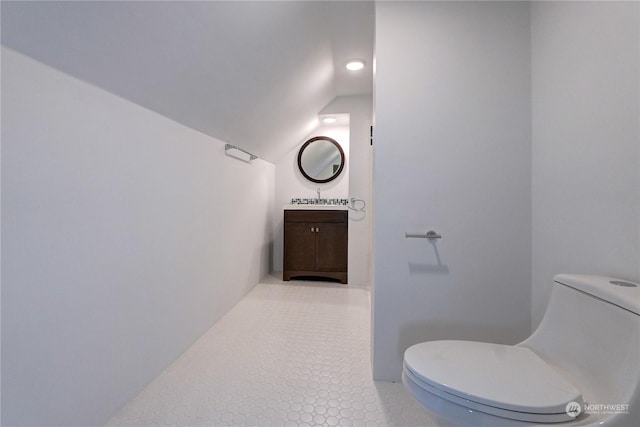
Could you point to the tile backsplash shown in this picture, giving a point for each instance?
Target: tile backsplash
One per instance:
(310, 201)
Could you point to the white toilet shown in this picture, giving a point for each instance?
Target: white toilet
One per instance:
(580, 367)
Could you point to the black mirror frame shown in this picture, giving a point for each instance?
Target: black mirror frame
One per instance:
(306, 144)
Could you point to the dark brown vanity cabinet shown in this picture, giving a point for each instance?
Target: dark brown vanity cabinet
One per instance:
(315, 244)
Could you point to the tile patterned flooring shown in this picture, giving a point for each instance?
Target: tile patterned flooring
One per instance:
(289, 354)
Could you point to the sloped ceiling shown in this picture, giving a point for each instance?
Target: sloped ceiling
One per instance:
(255, 74)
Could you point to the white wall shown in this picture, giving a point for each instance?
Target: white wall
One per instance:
(354, 181)
(586, 142)
(125, 237)
(360, 183)
(452, 152)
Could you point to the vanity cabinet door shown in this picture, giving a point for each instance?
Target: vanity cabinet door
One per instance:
(331, 247)
(300, 246)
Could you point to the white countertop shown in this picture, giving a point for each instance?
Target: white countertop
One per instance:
(316, 207)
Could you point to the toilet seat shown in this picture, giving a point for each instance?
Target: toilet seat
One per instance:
(506, 381)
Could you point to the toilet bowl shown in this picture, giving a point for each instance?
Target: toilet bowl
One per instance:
(580, 366)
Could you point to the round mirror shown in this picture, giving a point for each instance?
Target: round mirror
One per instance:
(321, 159)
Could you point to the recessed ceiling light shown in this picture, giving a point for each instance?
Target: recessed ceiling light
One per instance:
(355, 65)
(328, 120)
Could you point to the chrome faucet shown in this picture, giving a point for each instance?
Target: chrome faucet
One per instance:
(318, 194)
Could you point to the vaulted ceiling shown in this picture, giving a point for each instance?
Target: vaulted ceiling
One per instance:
(252, 73)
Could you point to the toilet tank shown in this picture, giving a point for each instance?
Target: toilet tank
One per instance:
(591, 334)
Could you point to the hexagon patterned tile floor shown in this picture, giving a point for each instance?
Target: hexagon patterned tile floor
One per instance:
(289, 354)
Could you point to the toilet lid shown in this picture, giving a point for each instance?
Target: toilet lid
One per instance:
(501, 376)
